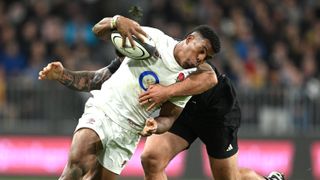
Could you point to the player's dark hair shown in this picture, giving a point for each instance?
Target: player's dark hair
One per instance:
(208, 33)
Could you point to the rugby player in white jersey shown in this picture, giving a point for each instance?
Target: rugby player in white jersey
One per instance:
(110, 126)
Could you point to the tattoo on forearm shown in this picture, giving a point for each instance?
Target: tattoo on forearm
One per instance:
(67, 78)
(84, 80)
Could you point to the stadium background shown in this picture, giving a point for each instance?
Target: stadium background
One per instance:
(270, 50)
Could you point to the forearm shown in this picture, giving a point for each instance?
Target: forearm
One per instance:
(84, 80)
(89, 80)
(102, 28)
(194, 84)
(167, 115)
(163, 124)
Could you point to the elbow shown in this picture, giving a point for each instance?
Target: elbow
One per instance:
(98, 28)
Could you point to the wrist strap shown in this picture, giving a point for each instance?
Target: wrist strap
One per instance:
(113, 23)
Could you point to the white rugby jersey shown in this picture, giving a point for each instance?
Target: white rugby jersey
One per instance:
(118, 97)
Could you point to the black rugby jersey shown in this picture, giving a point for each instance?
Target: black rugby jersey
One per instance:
(218, 105)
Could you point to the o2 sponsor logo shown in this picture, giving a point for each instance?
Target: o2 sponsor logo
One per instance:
(147, 78)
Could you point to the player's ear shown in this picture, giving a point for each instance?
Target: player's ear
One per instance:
(189, 38)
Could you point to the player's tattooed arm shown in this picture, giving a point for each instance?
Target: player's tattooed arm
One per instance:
(89, 80)
(79, 80)
(84, 80)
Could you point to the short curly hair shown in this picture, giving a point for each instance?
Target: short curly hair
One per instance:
(208, 33)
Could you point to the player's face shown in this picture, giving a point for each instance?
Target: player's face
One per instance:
(196, 51)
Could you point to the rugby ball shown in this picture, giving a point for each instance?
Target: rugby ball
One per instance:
(143, 50)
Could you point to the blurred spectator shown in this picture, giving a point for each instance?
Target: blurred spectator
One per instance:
(78, 28)
(8, 34)
(12, 59)
(52, 31)
(38, 57)
(16, 13)
(29, 34)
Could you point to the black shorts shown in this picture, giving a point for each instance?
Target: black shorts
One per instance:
(214, 117)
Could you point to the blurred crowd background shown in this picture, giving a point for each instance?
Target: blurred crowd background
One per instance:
(270, 49)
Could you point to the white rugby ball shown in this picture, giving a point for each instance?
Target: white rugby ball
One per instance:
(140, 52)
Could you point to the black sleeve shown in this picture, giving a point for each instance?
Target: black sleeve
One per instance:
(115, 64)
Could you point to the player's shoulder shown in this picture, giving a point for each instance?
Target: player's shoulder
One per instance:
(209, 66)
(156, 34)
(152, 30)
(205, 67)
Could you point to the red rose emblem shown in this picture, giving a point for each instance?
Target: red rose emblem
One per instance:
(180, 77)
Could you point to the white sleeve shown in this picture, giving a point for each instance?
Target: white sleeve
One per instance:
(180, 101)
(155, 34)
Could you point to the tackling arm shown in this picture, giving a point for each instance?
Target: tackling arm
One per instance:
(203, 79)
(89, 80)
(158, 125)
(168, 114)
(79, 80)
(84, 80)
(198, 82)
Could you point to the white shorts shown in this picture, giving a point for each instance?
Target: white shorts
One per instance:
(118, 143)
